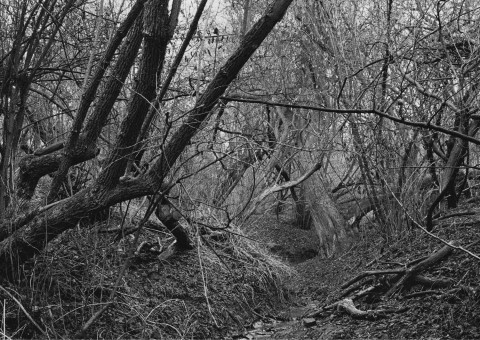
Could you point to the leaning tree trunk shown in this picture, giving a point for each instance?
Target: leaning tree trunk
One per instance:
(326, 219)
(31, 234)
(323, 211)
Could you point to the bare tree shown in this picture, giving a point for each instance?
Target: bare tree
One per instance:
(25, 236)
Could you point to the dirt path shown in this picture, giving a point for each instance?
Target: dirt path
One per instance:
(316, 283)
(311, 286)
(313, 281)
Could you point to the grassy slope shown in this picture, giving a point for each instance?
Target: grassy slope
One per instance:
(210, 291)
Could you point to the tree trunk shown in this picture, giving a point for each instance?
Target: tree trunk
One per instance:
(303, 218)
(82, 148)
(115, 82)
(447, 178)
(31, 236)
(170, 217)
(325, 216)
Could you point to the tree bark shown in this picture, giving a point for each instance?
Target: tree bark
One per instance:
(326, 218)
(34, 167)
(32, 237)
(170, 218)
(99, 117)
(447, 180)
(157, 35)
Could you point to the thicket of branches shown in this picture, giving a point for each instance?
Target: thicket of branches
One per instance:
(359, 104)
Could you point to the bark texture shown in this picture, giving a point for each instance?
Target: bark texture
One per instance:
(326, 218)
(32, 236)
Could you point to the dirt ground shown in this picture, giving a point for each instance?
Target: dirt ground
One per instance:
(316, 283)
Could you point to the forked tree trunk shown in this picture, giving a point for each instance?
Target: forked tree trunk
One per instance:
(28, 236)
(83, 148)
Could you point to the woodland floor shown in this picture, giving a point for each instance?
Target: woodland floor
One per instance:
(436, 314)
(226, 287)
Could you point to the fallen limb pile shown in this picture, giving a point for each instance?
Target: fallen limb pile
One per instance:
(410, 273)
(389, 282)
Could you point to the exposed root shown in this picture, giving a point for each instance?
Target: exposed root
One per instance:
(348, 306)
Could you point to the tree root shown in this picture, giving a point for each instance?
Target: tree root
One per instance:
(348, 306)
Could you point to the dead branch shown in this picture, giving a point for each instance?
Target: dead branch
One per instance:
(280, 187)
(423, 125)
(432, 283)
(422, 293)
(411, 263)
(449, 293)
(373, 272)
(403, 276)
(352, 289)
(412, 272)
(457, 214)
(335, 304)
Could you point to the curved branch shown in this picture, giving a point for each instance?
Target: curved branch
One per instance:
(422, 125)
(280, 187)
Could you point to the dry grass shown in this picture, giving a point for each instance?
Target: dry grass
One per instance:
(215, 288)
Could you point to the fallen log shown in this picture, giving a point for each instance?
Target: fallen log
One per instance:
(419, 267)
(335, 304)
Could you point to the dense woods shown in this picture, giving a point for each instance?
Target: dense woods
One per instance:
(204, 117)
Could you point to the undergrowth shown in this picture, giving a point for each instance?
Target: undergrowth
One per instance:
(221, 285)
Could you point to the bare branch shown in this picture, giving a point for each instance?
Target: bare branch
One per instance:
(280, 187)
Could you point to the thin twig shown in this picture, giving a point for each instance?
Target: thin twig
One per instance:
(24, 310)
(151, 208)
(429, 233)
(423, 125)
